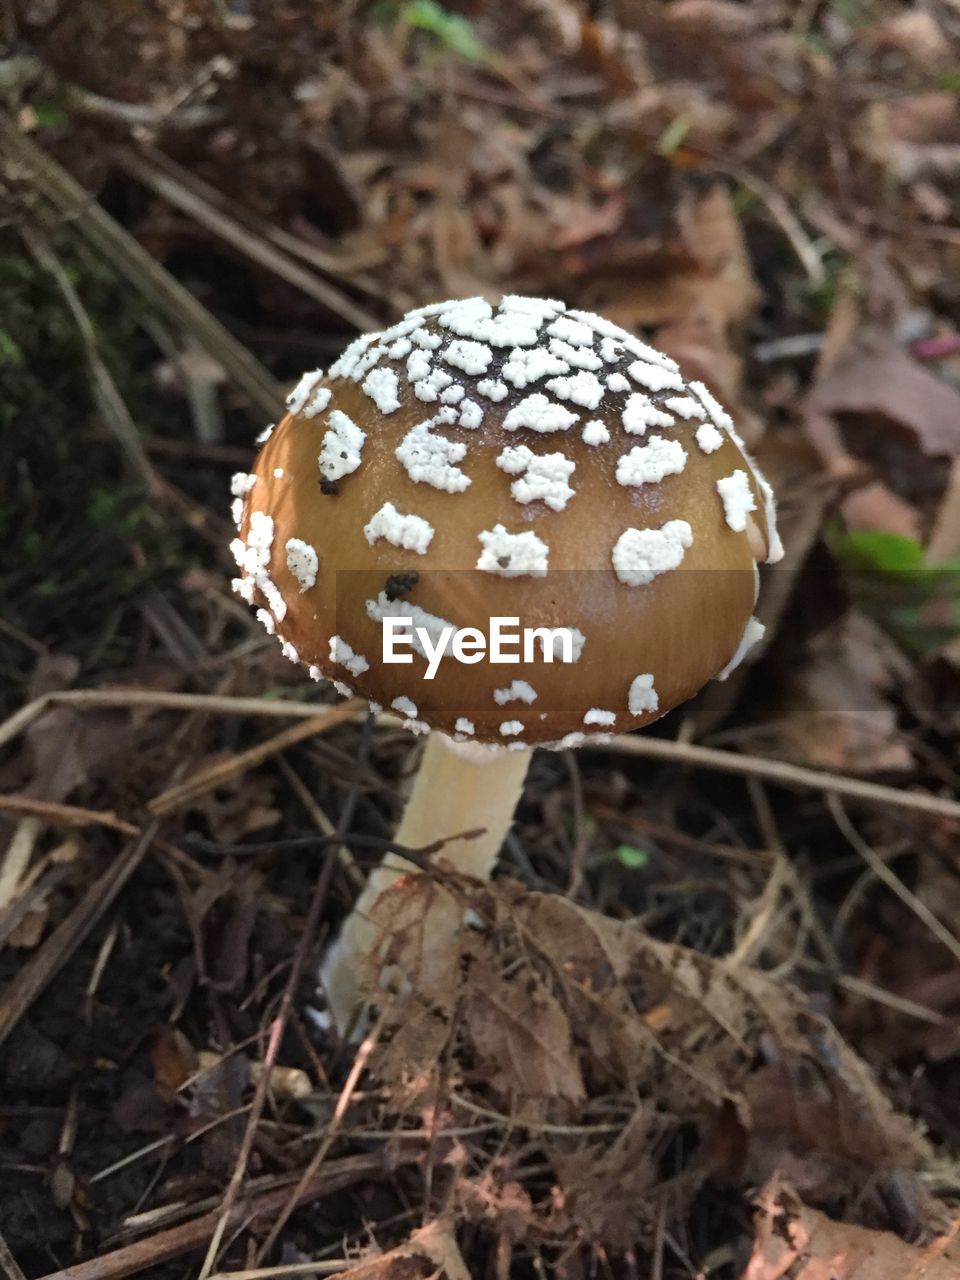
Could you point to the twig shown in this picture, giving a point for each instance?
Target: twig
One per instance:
(780, 772)
(215, 776)
(49, 959)
(147, 276)
(273, 1046)
(777, 771)
(330, 1267)
(339, 1111)
(891, 880)
(176, 1241)
(15, 861)
(8, 1263)
(65, 815)
(105, 389)
(785, 218)
(223, 704)
(322, 822)
(185, 193)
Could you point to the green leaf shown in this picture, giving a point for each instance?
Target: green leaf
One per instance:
(10, 352)
(449, 29)
(49, 114)
(673, 135)
(876, 549)
(629, 856)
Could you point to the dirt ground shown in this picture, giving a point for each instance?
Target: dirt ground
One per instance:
(711, 1027)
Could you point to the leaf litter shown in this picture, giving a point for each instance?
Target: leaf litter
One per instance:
(769, 193)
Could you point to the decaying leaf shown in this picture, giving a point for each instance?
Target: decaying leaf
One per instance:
(795, 1241)
(882, 380)
(521, 1032)
(837, 710)
(430, 1254)
(551, 1006)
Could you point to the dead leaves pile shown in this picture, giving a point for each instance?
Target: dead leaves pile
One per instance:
(638, 1070)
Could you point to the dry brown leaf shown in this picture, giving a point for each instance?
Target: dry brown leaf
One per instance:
(497, 1198)
(430, 1254)
(795, 1241)
(876, 506)
(716, 280)
(836, 711)
(522, 1034)
(914, 34)
(882, 380)
(551, 1005)
(606, 1188)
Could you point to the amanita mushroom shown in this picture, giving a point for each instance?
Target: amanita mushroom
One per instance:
(526, 462)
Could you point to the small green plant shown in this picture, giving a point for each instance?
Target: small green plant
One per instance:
(450, 30)
(629, 856)
(10, 352)
(673, 135)
(917, 604)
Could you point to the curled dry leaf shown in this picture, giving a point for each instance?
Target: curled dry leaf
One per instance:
(550, 1006)
(430, 1252)
(709, 270)
(837, 711)
(804, 1244)
(882, 380)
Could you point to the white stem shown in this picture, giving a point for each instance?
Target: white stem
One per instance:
(452, 793)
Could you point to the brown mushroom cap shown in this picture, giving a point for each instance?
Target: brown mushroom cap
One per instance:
(471, 417)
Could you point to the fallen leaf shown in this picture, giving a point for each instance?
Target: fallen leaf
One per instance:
(430, 1254)
(836, 710)
(795, 1241)
(882, 380)
(914, 34)
(706, 273)
(550, 1006)
(522, 1034)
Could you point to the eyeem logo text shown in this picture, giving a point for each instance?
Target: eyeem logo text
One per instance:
(506, 642)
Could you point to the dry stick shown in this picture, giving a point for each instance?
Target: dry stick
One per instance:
(780, 772)
(105, 389)
(8, 1263)
(108, 397)
(261, 229)
(273, 1047)
(890, 879)
(776, 771)
(66, 815)
(330, 1267)
(167, 184)
(132, 1258)
(321, 1153)
(123, 252)
(176, 797)
(47, 961)
(214, 702)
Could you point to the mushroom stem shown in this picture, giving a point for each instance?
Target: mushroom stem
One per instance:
(453, 791)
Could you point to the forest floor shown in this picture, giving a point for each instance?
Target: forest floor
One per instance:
(199, 199)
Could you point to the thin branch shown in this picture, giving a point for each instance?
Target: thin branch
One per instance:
(343, 1102)
(780, 772)
(8, 1263)
(47, 961)
(90, 220)
(221, 704)
(891, 879)
(176, 1241)
(186, 194)
(217, 774)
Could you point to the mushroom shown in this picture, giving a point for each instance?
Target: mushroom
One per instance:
(523, 462)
